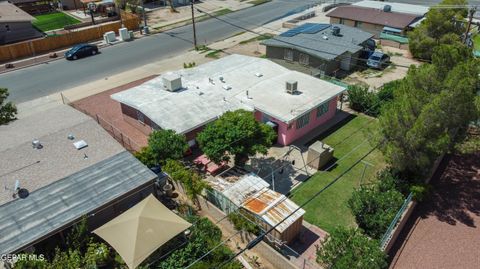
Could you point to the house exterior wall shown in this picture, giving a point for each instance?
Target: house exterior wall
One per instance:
(131, 114)
(314, 63)
(71, 4)
(374, 29)
(288, 133)
(17, 31)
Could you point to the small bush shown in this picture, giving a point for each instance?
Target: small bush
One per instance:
(420, 191)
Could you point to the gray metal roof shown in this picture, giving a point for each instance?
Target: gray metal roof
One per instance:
(317, 45)
(55, 206)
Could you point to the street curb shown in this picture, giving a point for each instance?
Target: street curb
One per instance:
(48, 61)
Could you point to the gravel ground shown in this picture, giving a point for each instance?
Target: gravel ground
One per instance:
(442, 231)
(109, 110)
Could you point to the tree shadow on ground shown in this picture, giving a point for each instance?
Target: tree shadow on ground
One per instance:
(456, 191)
(455, 195)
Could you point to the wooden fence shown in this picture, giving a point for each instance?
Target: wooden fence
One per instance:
(51, 43)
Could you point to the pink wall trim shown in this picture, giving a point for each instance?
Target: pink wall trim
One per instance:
(287, 136)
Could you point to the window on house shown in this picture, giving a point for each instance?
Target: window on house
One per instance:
(322, 109)
(342, 21)
(303, 121)
(303, 58)
(358, 23)
(288, 54)
(7, 27)
(140, 117)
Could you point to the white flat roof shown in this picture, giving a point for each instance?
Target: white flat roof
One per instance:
(205, 97)
(396, 7)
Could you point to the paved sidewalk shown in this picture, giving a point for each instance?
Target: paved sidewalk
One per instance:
(107, 83)
(43, 58)
(161, 17)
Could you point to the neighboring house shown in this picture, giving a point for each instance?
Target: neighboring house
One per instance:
(42, 6)
(394, 7)
(15, 24)
(319, 48)
(252, 194)
(186, 100)
(58, 183)
(375, 20)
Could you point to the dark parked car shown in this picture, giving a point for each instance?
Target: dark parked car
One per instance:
(81, 50)
(378, 60)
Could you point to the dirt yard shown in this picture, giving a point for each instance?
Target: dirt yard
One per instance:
(401, 60)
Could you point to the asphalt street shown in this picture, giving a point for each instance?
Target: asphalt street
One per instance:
(44, 79)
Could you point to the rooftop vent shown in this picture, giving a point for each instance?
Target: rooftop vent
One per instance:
(80, 144)
(221, 79)
(291, 86)
(387, 8)
(36, 144)
(70, 137)
(258, 75)
(325, 37)
(172, 82)
(226, 87)
(335, 30)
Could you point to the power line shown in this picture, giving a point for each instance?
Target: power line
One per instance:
(260, 238)
(283, 41)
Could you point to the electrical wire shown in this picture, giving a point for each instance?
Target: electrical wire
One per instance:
(260, 238)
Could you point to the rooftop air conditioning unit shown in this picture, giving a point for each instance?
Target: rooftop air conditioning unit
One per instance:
(291, 87)
(172, 82)
(387, 8)
(336, 30)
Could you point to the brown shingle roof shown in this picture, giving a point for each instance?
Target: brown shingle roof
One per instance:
(375, 16)
(11, 13)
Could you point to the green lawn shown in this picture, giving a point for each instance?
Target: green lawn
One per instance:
(476, 41)
(52, 21)
(330, 208)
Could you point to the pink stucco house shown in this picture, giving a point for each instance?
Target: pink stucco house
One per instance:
(186, 100)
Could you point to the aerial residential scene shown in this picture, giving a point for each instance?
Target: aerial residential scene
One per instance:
(239, 134)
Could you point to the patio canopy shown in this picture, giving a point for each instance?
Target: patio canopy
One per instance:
(141, 230)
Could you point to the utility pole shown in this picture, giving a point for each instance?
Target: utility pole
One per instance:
(470, 17)
(193, 23)
(145, 27)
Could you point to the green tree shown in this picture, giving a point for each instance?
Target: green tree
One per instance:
(235, 133)
(146, 156)
(167, 144)
(7, 109)
(375, 206)
(441, 26)
(349, 248)
(361, 99)
(192, 182)
(429, 105)
(78, 237)
(194, 186)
